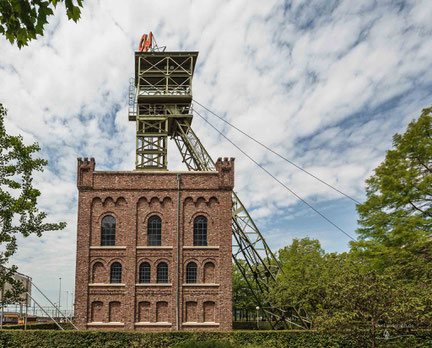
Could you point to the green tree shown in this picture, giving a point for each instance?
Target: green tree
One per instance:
(243, 298)
(19, 214)
(22, 20)
(303, 289)
(396, 218)
(359, 299)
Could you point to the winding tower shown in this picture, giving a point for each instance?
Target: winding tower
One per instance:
(160, 103)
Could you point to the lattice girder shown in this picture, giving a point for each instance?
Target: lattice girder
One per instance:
(160, 103)
(251, 253)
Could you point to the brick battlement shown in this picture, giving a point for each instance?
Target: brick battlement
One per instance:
(85, 163)
(225, 164)
(85, 172)
(225, 167)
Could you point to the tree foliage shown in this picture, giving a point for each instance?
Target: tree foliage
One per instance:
(19, 214)
(396, 218)
(22, 20)
(243, 298)
(359, 299)
(385, 281)
(336, 292)
(301, 289)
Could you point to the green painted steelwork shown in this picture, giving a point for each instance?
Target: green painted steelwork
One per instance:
(160, 96)
(251, 254)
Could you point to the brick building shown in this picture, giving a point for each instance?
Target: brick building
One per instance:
(154, 249)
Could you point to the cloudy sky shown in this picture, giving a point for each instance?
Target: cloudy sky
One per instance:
(324, 83)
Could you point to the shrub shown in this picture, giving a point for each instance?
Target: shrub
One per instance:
(193, 343)
(251, 325)
(207, 339)
(38, 326)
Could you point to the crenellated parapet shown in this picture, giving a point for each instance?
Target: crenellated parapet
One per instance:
(85, 171)
(225, 168)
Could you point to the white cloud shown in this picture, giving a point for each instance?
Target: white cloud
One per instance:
(324, 83)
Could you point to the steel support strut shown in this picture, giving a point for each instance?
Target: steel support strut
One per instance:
(252, 255)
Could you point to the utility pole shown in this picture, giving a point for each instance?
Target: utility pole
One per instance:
(2, 307)
(67, 303)
(59, 298)
(257, 317)
(26, 304)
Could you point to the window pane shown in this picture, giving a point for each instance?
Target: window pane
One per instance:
(200, 231)
(144, 273)
(162, 273)
(154, 231)
(108, 228)
(191, 272)
(116, 273)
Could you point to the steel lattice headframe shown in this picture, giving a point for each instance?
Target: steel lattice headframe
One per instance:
(251, 254)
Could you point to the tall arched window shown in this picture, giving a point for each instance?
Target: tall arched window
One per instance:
(144, 273)
(191, 272)
(209, 272)
(162, 273)
(96, 311)
(114, 312)
(200, 231)
(99, 273)
(209, 311)
(108, 231)
(154, 231)
(116, 273)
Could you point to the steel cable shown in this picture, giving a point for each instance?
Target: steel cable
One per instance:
(278, 154)
(276, 179)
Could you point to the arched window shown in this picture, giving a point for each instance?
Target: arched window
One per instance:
(96, 311)
(144, 273)
(98, 273)
(191, 311)
(209, 272)
(116, 273)
(108, 229)
(144, 311)
(114, 314)
(162, 273)
(191, 272)
(154, 228)
(200, 231)
(162, 311)
(209, 311)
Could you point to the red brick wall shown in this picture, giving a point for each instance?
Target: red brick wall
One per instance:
(131, 198)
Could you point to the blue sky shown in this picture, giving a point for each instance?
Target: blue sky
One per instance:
(324, 83)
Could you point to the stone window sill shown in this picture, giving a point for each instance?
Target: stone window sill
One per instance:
(153, 284)
(143, 323)
(201, 284)
(107, 284)
(154, 247)
(114, 247)
(96, 323)
(211, 247)
(200, 324)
